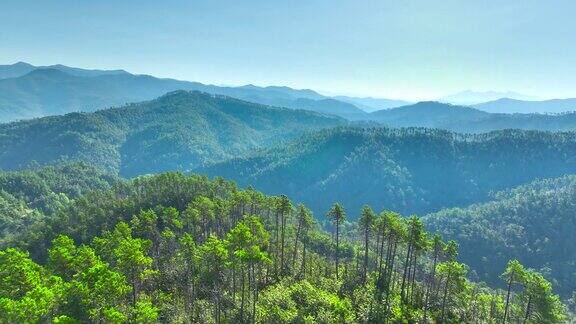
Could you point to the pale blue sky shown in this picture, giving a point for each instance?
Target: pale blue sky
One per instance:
(400, 49)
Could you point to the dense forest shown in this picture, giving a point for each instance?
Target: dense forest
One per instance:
(88, 235)
(178, 131)
(177, 248)
(534, 223)
(27, 197)
(411, 170)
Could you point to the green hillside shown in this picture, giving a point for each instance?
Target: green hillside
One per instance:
(534, 223)
(411, 170)
(26, 197)
(175, 248)
(178, 131)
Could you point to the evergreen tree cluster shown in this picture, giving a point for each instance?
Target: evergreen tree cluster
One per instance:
(183, 248)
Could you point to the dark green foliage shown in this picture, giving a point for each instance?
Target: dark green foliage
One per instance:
(534, 223)
(411, 170)
(179, 131)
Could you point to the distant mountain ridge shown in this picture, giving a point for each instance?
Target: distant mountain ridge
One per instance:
(508, 105)
(470, 97)
(22, 68)
(370, 104)
(465, 119)
(27, 91)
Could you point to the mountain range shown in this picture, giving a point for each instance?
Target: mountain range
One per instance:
(470, 97)
(319, 158)
(178, 131)
(508, 105)
(27, 92)
(469, 120)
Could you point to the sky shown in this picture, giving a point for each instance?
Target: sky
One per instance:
(394, 49)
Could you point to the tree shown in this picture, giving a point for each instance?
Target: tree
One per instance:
(95, 291)
(307, 223)
(284, 208)
(437, 247)
(28, 293)
(454, 282)
(416, 241)
(247, 243)
(303, 217)
(542, 304)
(514, 273)
(366, 222)
(215, 259)
(129, 254)
(337, 216)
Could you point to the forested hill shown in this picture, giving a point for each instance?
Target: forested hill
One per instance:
(184, 249)
(534, 223)
(26, 197)
(178, 131)
(411, 170)
(469, 120)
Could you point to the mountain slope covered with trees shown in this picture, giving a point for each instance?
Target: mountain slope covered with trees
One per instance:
(410, 170)
(178, 131)
(26, 197)
(175, 248)
(534, 223)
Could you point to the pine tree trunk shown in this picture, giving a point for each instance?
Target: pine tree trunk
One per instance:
(366, 240)
(254, 292)
(508, 297)
(337, 247)
(378, 253)
(242, 290)
(296, 245)
(527, 315)
(431, 286)
(406, 268)
(303, 271)
(444, 298)
(413, 281)
(277, 243)
(282, 265)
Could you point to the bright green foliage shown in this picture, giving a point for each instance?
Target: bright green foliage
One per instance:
(301, 302)
(28, 293)
(185, 249)
(144, 311)
(542, 305)
(96, 292)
